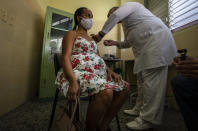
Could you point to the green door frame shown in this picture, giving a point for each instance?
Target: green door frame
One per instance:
(47, 74)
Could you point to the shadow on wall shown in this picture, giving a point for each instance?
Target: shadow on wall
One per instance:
(37, 43)
(20, 52)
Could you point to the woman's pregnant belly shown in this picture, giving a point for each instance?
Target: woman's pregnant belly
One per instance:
(89, 62)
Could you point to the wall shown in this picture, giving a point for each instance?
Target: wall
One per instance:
(186, 38)
(43, 5)
(99, 9)
(21, 26)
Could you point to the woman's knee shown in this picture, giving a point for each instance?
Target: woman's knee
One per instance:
(105, 96)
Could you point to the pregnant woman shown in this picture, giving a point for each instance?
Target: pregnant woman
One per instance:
(85, 71)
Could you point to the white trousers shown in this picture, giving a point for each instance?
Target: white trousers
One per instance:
(151, 94)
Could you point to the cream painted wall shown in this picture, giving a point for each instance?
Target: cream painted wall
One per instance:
(43, 5)
(21, 26)
(99, 9)
(187, 38)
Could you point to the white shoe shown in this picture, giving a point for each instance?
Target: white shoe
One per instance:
(132, 112)
(139, 124)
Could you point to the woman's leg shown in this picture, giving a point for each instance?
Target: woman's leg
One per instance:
(116, 104)
(97, 107)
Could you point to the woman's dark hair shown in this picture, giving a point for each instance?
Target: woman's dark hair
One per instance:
(78, 12)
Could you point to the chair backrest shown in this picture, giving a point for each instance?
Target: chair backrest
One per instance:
(57, 62)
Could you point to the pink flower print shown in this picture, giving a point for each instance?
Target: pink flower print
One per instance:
(92, 45)
(75, 62)
(86, 58)
(106, 86)
(78, 38)
(88, 70)
(87, 77)
(61, 79)
(84, 53)
(75, 53)
(78, 45)
(114, 87)
(96, 66)
(100, 65)
(85, 48)
(61, 76)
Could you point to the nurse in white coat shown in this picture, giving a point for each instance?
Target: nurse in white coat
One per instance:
(154, 49)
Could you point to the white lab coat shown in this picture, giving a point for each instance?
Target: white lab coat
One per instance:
(154, 49)
(151, 40)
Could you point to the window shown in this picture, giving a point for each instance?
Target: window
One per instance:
(177, 14)
(182, 13)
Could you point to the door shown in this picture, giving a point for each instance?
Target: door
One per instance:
(57, 23)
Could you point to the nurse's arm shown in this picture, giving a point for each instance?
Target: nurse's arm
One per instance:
(123, 44)
(117, 16)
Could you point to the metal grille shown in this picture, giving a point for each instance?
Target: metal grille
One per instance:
(159, 8)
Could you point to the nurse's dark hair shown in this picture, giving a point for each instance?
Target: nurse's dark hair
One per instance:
(112, 9)
(78, 12)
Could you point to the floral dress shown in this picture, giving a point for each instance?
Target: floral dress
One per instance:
(89, 70)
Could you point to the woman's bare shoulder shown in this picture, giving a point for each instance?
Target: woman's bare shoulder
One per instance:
(70, 33)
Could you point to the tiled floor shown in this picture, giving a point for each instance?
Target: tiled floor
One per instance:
(34, 116)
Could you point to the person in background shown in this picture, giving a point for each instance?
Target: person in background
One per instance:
(154, 49)
(85, 71)
(185, 88)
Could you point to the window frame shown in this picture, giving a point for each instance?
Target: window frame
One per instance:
(183, 26)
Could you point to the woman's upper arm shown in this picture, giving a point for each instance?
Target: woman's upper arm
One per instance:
(67, 43)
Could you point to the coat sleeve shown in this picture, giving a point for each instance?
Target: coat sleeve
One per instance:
(120, 14)
(124, 44)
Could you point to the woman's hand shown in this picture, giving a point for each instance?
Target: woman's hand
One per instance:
(112, 75)
(73, 91)
(117, 78)
(110, 43)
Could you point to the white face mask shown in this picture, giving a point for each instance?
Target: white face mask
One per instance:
(86, 23)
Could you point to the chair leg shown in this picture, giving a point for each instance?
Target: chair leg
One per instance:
(118, 122)
(53, 108)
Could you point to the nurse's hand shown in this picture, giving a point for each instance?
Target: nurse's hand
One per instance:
(110, 43)
(73, 91)
(97, 38)
(188, 67)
